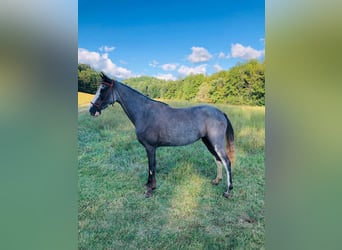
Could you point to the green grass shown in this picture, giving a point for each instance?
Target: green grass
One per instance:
(186, 211)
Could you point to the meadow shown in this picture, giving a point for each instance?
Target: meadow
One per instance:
(186, 210)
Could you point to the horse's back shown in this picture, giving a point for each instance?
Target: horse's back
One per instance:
(167, 126)
(206, 114)
(196, 117)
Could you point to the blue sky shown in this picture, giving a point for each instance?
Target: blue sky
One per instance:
(169, 39)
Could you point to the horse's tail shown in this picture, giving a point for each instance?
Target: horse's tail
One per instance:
(230, 146)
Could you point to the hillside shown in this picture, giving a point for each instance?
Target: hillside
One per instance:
(243, 84)
(84, 99)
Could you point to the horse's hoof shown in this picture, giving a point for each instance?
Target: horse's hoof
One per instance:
(150, 186)
(215, 181)
(226, 195)
(148, 193)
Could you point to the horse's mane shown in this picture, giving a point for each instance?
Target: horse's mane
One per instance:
(105, 78)
(139, 93)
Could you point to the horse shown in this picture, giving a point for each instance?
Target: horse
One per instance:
(157, 124)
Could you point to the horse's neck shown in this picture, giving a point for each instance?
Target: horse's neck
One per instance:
(132, 102)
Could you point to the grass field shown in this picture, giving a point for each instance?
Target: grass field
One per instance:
(84, 100)
(186, 211)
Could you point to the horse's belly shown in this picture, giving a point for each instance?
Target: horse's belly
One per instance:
(179, 137)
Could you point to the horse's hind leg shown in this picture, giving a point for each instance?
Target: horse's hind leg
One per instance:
(219, 173)
(217, 159)
(227, 165)
(220, 150)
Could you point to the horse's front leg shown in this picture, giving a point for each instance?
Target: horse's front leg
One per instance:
(151, 181)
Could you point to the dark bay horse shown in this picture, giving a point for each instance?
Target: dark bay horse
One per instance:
(157, 124)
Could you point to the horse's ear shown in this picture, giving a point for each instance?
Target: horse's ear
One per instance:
(105, 78)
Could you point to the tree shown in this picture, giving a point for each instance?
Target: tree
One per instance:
(203, 93)
(88, 79)
(242, 84)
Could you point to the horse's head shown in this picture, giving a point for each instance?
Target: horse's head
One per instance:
(104, 96)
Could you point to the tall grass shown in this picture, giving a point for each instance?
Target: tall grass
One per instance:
(186, 211)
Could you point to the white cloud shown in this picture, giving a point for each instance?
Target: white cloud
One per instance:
(169, 66)
(199, 54)
(217, 67)
(247, 53)
(166, 77)
(106, 49)
(221, 55)
(102, 62)
(154, 63)
(185, 70)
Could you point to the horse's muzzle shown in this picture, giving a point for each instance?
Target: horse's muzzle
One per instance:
(94, 111)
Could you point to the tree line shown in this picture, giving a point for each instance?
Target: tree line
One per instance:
(241, 84)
